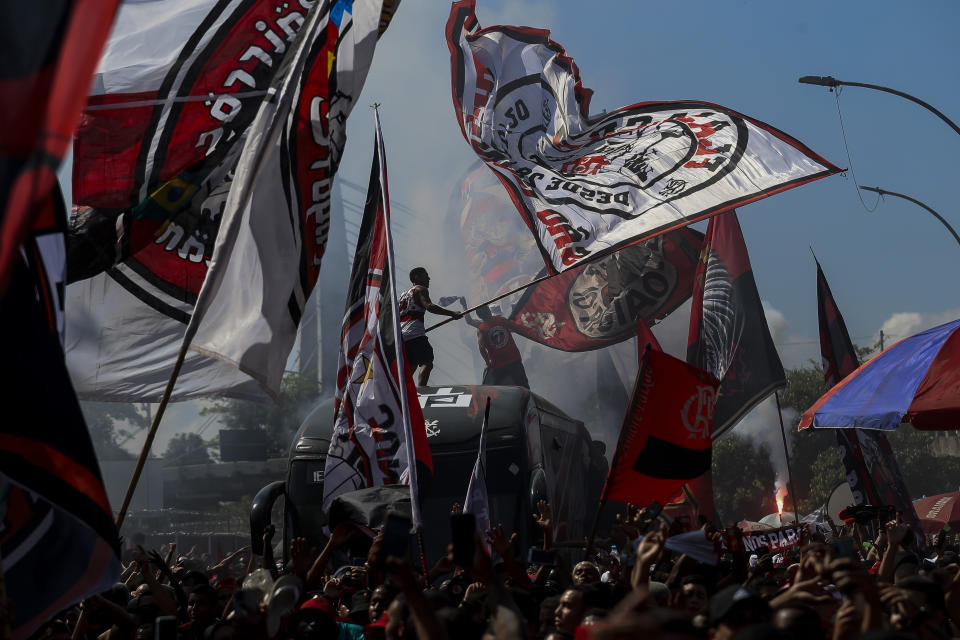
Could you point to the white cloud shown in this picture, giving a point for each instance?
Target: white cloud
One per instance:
(904, 324)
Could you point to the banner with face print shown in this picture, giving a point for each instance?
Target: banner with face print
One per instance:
(599, 303)
(591, 185)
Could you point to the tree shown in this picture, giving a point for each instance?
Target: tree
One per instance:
(186, 448)
(298, 394)
(112, 424)
(743, 479)
(826, 473)
(924, 473)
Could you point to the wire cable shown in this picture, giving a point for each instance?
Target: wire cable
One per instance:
(853, 173)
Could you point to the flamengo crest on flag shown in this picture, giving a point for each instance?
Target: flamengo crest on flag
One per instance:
(378, 422)
(588, 186)
(729, 335)
(665, 439)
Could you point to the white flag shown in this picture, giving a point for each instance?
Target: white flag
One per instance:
(274, 226)
(590, 185)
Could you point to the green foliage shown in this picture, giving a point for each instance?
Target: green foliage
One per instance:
(186, 448)
(924, 474)
(826, 473)
(112, 424)
(743, 479)
(280, 420)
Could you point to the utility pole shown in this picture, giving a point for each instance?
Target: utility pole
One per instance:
(881, 339)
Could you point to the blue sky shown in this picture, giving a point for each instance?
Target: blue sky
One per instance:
(746, 56)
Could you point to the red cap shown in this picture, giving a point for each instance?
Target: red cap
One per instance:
(318, 603)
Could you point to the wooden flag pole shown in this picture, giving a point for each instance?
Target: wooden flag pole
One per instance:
(617, 452)
(499, 297)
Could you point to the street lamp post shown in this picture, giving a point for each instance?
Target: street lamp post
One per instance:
(830, 81)
(884, 192)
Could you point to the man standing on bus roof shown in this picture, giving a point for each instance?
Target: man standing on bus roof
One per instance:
(499, 351)
(413, 303)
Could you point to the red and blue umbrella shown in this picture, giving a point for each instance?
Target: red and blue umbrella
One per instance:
(917, 380)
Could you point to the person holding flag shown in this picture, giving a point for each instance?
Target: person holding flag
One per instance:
(414, 303)
(499, 350)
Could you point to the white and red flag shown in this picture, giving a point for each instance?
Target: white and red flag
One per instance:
(213, 145)
(588, 185)
(378, 424)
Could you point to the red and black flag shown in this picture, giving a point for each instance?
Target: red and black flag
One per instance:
(729, 336)
(665, 440)
(599, 303)
(50, 53)
(56, 520)
(378, 421)
(872, 470)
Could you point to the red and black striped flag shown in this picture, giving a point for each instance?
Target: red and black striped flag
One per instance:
(868, 459)
(665, 440)
(729, 336)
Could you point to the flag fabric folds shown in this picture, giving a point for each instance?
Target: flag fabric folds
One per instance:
(476, 501)
(868, 459)
(590, 185)
(665, 440)
(598, 304)
(267, 259)
(377, 416)
(728, 329)
(58, 541)
(49, 58)
(283, 81)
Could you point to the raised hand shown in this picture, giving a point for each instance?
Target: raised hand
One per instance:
(897, 532)
(300, 556)
(499, 541)
(545, 518)
(341, 534)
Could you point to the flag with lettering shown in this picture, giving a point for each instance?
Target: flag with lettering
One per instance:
(372, 433)
(872, 470)
(729, 335)
(591, 184)
(665, 439)
(598, 304)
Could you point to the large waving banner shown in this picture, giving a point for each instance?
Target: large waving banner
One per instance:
(588, 186)
(312, 58)
(176, 89)
(598, 304)
(277, 215)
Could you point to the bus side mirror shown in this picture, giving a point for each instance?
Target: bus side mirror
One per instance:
(260, 513)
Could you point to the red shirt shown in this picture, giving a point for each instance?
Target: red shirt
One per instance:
(497, 343)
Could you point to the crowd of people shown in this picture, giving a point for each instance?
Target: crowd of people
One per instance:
(629, 586)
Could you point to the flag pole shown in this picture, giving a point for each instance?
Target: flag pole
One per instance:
(494, 299)
(546, 276)
(398, 346)
(786, 455)
(617, 452)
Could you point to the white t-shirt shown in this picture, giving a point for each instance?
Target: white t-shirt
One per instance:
(411, 314)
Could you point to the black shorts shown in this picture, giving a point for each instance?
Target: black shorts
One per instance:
(418, 351)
